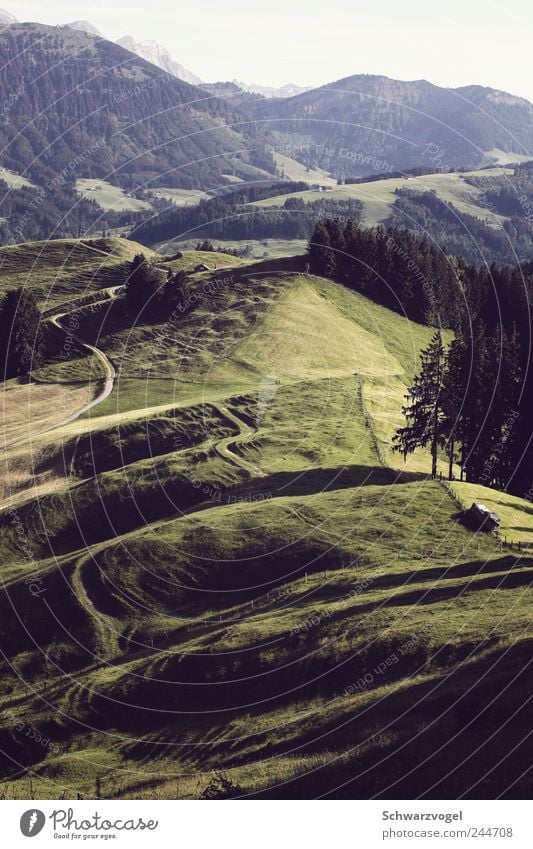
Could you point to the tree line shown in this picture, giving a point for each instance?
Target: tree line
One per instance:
(57, 211)
(233, 216)
(466, 235)
(464, 403)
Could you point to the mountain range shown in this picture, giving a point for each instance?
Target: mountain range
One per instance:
(79, 106)
(159, 56)
(91, 108)
(365, 123)
(85, 26)
(287, 90)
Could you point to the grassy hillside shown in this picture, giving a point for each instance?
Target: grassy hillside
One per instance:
(378, 196)
(250, 248)
(294, 170)
(65, 269)
(234, 588)
(182, 197)
(108, 196)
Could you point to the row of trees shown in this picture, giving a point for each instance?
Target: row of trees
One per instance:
(232, 216)
(465, 235)
(420, 279)
(464, 402)
(390, 266)
(57, 210)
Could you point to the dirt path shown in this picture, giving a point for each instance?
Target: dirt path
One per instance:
(223, 448)
(104, 359)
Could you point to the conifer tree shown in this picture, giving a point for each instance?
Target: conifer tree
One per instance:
(142, 287)
(455, 384)
(349, 261)
(321, 257)
(478, 434)
(424, 410)
(173, 292)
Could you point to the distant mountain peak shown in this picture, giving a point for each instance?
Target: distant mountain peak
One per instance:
(287, 90)
(85, 26)
(158, 55)
(6, 18)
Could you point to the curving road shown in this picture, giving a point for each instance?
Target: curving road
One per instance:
(104, 359)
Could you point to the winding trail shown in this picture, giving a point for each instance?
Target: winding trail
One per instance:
(104, 359)
(223, 448)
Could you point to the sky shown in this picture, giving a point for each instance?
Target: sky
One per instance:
(312, 42)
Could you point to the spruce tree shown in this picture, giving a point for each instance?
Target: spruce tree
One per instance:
(142, 287)
(321, 257)
(424, 411)
(173, 292)
(455, 384)
(479, 433)
(349, 261)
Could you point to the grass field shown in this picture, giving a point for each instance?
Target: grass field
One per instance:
(516, 513)
(108, 196)
(378, 196)
(27, 408)
(265, 249)
(232, 178)
(15, 181)
(294, 170)
(223, 570)
(192, 258)
(502, 157)
(181, 197)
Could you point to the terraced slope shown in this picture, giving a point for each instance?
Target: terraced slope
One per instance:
(237, 590)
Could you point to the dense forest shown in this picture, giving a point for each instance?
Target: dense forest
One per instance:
(22, 343)
(89, 108)
(484, 384)
(509, 195)
(231, 217)
(423, 212)
(28, 215)
(460, 233)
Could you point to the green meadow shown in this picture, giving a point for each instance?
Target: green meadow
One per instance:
(224, 572)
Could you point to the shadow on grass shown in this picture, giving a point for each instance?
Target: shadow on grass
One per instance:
(457, 735)
(313, 481)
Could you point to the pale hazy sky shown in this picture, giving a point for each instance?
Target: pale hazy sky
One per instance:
(311, 42)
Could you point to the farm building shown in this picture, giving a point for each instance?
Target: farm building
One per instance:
(480, 518)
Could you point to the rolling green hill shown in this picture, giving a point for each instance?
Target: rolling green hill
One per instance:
(378, 196)
(232, 586)
(479, 215)
(63, 270)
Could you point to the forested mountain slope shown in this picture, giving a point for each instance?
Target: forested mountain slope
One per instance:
(364, 124)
